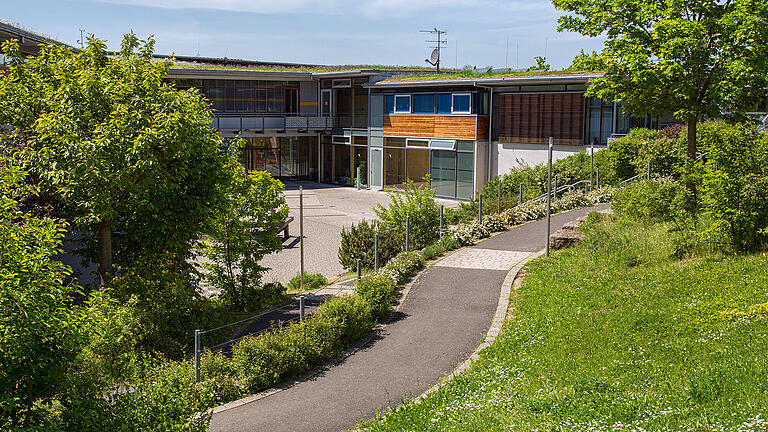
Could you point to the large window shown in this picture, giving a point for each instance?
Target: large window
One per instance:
(402, 103)
(424, 103)
(462, 103)
(444, 103)
(600, 121)
(247, 96)
(389, 104)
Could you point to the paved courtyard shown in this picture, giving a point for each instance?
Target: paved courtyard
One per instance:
(327, 209)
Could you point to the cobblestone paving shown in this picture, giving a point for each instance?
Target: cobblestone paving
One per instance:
(483, 259)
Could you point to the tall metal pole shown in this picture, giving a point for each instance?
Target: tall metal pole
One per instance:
(521, 192)
(376, 252)
(358, 178)
(197, 356)
(591, 165)
(301, 235)
(554, 191)
(597, 177)
(359, 274)
(441, 219)
(648, 173)
(549, 194)
(301, 308)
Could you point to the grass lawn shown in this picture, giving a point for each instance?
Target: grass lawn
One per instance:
(617, 334)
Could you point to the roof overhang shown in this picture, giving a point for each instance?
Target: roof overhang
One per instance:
(582, 78)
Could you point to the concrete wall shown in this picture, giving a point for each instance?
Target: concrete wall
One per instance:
(508, 156)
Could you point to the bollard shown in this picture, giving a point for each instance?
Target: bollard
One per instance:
(498, 198)
(480, 210)
(376, 252)
(197, 355)
(358, 178)
(301, 236)
(549, 194)
(441, 220)
(359, 274)
(648, 173)
(301, 308)
(407, 233)
(597, 177)
(521, 192)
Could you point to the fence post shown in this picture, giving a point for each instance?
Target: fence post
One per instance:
(407, 233)
(549, 190)
(358, 269)
(521, 192)
(554, 191)
(648, 173)
(498, 198)
(301, 308)
(441, 219)
(376, 252)
(480, 210)
(197, 355)
(597, 177)
(301, 235)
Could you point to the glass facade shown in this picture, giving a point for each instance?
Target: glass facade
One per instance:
(247, 96)
(600, 121)
(449, 164)
(293, 158)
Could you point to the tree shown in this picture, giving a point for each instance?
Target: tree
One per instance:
(115, 148)
(41, 333)
(541, 64)
(242, 234)
(694, 58)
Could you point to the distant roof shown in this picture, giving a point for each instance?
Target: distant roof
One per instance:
(493, 78)
(29, 42)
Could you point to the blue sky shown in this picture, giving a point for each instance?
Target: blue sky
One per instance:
(317, 31)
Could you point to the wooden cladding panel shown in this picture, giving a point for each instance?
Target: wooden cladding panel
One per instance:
(482, 127)
(426, 126)
(533, 118)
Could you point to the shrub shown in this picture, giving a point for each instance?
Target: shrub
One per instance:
(378, 290)
(624, 151)
(449, 242)
(358, 242)
(311, 281)
(735, 183)
(468, 233)
(403, 266)
(494, 223)
(658, 200)
(418, 203)
(433, 251)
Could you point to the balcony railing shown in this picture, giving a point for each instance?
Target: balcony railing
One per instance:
(258, 122)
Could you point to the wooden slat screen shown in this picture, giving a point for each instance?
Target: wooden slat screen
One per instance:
(533, 118)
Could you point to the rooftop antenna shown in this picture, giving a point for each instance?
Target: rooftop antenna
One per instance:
(81, 40)
(434, 59)
(506, 55)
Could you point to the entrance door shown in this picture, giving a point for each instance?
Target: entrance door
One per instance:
(375, 170)
(443, 171)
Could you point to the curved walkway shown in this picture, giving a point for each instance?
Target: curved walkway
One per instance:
(445, 317)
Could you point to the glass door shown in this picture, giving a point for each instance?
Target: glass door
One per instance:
(325, 103)
(375, 167)
(443, 170)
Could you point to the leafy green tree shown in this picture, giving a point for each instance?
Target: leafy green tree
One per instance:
(244, 231)
(116, 148)
(693, 58)
(41, 333)
(541, 63)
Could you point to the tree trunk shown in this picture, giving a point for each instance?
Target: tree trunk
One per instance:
(105, 252)
(691, 153)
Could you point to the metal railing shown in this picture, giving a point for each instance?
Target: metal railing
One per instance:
(198, 345)
(259, 122)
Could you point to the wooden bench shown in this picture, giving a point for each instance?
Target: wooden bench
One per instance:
(284, 227)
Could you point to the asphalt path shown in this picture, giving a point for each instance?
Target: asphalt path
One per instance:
(443, 320)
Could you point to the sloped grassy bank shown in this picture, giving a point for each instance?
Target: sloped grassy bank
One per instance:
(618, 334)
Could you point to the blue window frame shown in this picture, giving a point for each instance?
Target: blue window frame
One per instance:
(443, 103)
(424, 103)
(389, 104)
(402, 103)
(462, 103)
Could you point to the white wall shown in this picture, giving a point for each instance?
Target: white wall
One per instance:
(508, 156)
